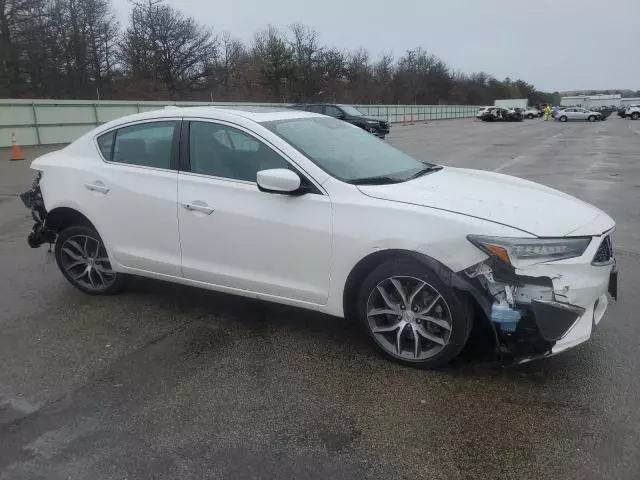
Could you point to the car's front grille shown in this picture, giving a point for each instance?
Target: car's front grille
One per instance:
(604, 254)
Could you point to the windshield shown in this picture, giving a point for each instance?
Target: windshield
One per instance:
(349, 110)
(345, 151)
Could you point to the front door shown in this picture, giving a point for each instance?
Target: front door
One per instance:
(235, 236)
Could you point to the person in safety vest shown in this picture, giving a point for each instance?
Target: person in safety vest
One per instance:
(547, 112)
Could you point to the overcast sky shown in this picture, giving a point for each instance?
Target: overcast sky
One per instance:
(554, 44)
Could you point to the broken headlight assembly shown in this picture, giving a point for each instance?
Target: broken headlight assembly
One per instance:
(520, 252)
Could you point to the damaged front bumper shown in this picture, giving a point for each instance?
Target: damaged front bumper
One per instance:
(547, 308)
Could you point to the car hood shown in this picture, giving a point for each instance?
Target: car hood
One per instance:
(512, 201)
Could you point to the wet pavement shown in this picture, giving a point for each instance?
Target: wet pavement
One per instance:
(167, 382)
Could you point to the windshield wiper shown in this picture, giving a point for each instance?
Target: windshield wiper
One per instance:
(381, 180)
(386, 179)
(423, 171)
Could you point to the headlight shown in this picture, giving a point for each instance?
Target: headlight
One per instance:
(372, 122)
(522, 251)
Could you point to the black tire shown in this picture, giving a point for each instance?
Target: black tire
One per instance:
(563, 118)
(381, 137)
(635, 115)
(112, 282)
(592, 118)
(530, 116)
(458, 305)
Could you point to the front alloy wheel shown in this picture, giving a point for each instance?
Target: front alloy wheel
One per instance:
(409, 318)
(412, 315)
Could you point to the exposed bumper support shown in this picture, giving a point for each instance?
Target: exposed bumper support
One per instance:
(555, 319)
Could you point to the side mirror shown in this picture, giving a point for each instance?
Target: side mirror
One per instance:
(278, 180)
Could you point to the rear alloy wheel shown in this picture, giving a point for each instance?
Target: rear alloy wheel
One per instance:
(592, 118)
(83, 260)
(530, 116)
(563, 118)
(635, 115)
(412, 317)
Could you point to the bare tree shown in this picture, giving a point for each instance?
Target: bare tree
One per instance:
(165, 48)
(383, 72)
(74, 49)
(307, 53)
(14, 19)
(359, 73)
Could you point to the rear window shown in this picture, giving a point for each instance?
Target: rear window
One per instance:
(105, 143)
(144, 144)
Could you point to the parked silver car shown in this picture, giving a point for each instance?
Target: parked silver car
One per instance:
(577, 113)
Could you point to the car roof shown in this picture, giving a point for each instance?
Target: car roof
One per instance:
(256, 114)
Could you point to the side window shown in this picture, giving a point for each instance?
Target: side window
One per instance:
(145, 144)
(223, 151)
(105, 142)
(315, 108)
(332, 111)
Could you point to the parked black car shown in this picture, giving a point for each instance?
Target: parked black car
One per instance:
(380, 128)
(498, 114)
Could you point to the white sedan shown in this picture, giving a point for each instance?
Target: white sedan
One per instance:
(306, 210)
(577, 113)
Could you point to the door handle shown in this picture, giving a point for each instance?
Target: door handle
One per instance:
(198, 206)
(97, 187)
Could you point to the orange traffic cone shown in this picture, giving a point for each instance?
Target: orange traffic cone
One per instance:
(16, 151)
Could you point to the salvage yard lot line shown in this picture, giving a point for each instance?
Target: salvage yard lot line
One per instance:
(519, 158)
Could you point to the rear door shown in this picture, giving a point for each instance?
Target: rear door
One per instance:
(132, 195)
(581, 114)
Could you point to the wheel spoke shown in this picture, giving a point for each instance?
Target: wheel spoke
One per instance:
(101, 259)
(75, 264)
(72, 255)
(82, 274)
(399, 337)
(387, 299)
(86, 241)
(431, 305)
(102, 269)
(436, 321)
(91, 280)
(416, 341)
(381, 311)
(433, 338)
(75, 245)
(400, 289)
(390, 328)
(100, 276)
(414, 295)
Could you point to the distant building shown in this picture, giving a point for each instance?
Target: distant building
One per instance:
(591, 101)
(630, 101)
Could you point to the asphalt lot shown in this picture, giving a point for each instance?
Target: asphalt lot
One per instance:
(167, 382)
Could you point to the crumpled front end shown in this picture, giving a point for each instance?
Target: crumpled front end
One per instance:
(32, 199)
(546, 308)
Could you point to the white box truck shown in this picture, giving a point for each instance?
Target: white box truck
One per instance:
(512, 103)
